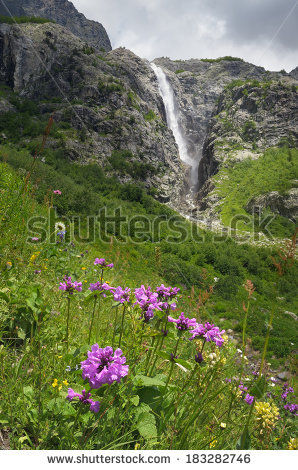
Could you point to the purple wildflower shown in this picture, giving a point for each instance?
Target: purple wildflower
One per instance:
(286, 391)
(121, 295)
(249, 399)
(34, 239)
(84, 398)
(292, 408)
(37, 271)
(61, 234)
(102, 263)
(183, 323)
(165, 293)
(100, 288)
(147, 301)
(104, 366)
(70, 286)
(57, 191)
(199, 358)
(209, 333)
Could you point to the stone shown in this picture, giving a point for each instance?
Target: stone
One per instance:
(283, 376)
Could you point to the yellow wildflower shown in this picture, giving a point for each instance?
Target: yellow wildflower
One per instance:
(55, 383)
(213, 443)
(293, 443)
(223, 425)
(65, 383)
(83, 268)
(266, 416)
(9, 263)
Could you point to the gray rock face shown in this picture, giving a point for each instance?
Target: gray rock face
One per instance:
(65, 14)
(250, 118)
(285, 205)
(112, 103)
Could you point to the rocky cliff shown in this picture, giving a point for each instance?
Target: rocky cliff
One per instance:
(65, 14)
(111, 102)
(230, 111)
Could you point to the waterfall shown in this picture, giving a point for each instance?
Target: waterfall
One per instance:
(172, 114)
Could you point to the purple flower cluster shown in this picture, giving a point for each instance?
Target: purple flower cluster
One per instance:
(104, 366)
(165, 294)
(209, 332)
(61, 235)
(249, 399)
(183, 323)
(148, 301)
(102, 263)
(292, 408)
(199, 358)
(84, 398)
(286, 391)
(100, 288)
(69, 286)
(121, 295)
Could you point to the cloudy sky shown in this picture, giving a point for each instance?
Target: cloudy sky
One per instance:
(264, 32)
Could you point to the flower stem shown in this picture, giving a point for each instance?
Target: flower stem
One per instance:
(92, 318)
(67, 322)
(172, 366)
(122, 325)
(115, 327)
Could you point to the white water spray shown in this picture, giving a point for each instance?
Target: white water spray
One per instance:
(172, 114)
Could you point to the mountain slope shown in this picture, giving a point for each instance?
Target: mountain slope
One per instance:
(65, 14)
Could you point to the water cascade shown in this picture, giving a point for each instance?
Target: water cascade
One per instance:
(172, 114)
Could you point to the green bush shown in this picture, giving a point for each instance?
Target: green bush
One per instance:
(24, 19)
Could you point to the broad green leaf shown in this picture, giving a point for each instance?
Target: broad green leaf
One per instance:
(145, 381)
(146, 425)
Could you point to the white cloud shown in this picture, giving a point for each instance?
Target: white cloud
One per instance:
(263, 32)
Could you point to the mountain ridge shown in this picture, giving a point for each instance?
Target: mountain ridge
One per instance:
(64, 13)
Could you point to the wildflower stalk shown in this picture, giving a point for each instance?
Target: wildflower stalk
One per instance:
(67, 322)
(266, 341)
(92, 318)
(97, 320)
(159, 345)
(151, 351)
(115, 326)
(122, 325)
(172, 366)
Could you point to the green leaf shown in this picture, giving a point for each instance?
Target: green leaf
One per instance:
(184, 363)
(164, 355)
(145, 381)
(244, 440)
(4, 296)
(135, 400)
(258, 388)
(28, 392)
(146, 425)
(21, 333)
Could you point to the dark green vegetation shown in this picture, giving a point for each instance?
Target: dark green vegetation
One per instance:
(220, 59)
(238, 184)
(24, 19)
